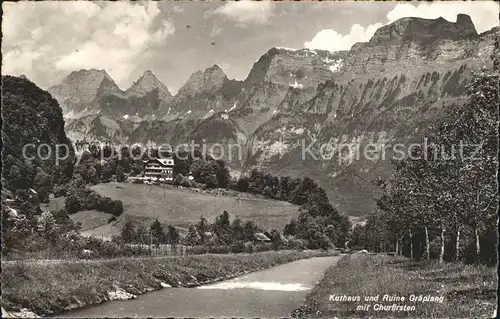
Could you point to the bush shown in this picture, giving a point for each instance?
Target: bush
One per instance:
(60, 190)
(220, 249)
(181, 180)
(197, 250)
(249, 247)
(296, 243)
(238, 247)
(263, 247)
(111, 219)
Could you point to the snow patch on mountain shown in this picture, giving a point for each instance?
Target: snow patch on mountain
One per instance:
(296, 85)
(336, 66)
(232, 108)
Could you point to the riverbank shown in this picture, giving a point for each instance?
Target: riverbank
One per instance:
(404, 288)
(48, 289)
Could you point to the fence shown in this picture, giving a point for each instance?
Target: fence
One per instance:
(163, 249)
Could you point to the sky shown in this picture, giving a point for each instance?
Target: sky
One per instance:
(48, 40)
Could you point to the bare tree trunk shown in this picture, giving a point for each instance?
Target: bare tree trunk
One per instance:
(457, 245)
(478, 246)
(441, 253)
(427, 246)
(397, 246)
(411, 243)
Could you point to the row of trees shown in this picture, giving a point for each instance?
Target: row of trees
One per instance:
(220, 236)
(221, 232)
(443, 202)
(132, 233)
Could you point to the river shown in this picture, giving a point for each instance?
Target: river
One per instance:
(273, 292)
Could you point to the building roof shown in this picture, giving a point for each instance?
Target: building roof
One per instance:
(162, 161)
(166, 161)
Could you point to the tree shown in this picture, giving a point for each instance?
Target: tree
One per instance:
(128, 232)
(451, 184)
(15, 178)
(43, 185)
(202, 227)
(47, 226)
(290, 228)
(222, 228)
(192, 238)
(242, 184)
(72, 203)
(208, 175)
(237, 230)
(157, 232)
(141, 235)
(276, 239)
(120, 175)
(249, 229)
(172, 235)
(222, 174)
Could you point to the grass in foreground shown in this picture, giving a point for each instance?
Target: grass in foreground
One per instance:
(54, 288)
(468, 290)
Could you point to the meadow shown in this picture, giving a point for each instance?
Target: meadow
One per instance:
(181, 208)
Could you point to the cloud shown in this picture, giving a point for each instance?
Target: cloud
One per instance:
(484, 14)
(166, 29)
(331, 40)
(215, 32)
(59, 37)
(246, 12)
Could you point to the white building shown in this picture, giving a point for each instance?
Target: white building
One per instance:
(159, 168)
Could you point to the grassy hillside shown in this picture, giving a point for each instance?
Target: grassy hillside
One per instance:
(182, 207)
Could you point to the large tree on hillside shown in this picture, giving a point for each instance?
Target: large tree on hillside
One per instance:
(222, 227)
(128, 232)
(192, 238)
(208, 175)
(202, 226)
(173, 236)
(157, 232)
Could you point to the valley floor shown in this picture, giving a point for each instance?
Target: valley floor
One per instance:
(426, 289)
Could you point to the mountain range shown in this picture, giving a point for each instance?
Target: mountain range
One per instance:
(385, 91)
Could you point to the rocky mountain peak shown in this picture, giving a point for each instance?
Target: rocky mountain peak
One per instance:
(424, 31)
(416, 43)
(87, 76)
(285, 66)
(148, 82)
(82, 87)
(210, 80)
(214, 73)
